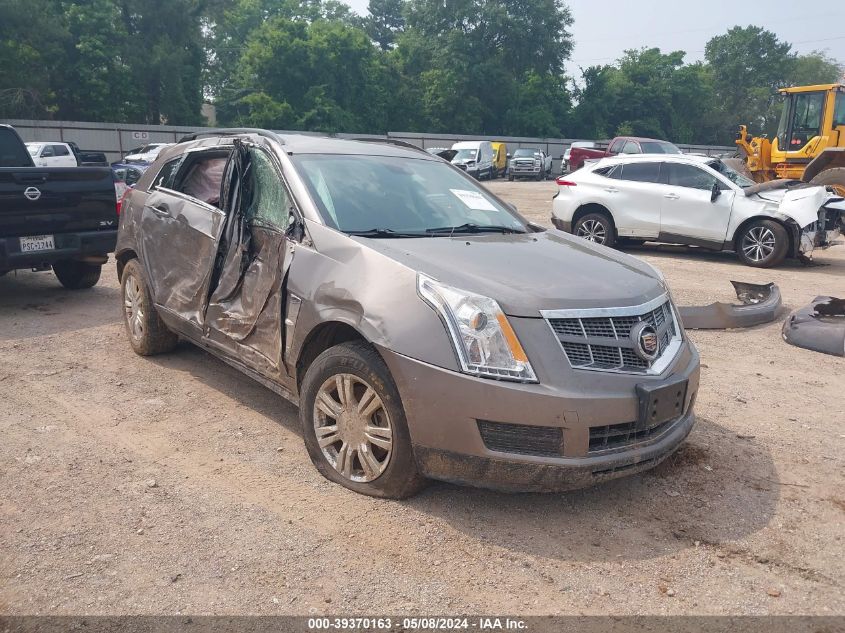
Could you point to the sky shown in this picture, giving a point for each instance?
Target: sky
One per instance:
(604, 29)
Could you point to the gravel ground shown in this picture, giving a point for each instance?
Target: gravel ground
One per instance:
(176, 485)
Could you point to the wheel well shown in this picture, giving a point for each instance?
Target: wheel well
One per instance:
(790, 231)
(123, 258)
(592, 207)
(320, 339)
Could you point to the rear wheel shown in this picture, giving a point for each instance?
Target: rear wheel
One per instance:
(148, 335)
(596, 227)
(834, 177)
(354, 424)
(75, 275)
(762, 244)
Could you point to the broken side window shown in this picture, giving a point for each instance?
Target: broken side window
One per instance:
(269, 204)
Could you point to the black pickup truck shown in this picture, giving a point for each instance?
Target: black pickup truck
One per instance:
(64, 218)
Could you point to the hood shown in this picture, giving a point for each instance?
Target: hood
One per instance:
(801, 204)
(528, 273)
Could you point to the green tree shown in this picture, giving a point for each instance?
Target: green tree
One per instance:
(385, 21)
(96, 83)
(470, 58)
(748, 64)
(166, 39)
(32, 38)
(648, 93)
(815, 68)
(323, 75)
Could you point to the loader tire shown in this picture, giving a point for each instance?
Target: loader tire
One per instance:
(833, 177)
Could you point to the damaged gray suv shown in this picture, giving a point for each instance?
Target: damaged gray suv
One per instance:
(424, 328)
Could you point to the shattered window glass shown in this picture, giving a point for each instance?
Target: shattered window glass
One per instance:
(167, 173)
(269, 202)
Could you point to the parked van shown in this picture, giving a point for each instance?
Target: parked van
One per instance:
(500, 159)
(475, 158)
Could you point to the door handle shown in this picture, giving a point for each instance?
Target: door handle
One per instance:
(672, 196)
(611, 190)
(161, 210)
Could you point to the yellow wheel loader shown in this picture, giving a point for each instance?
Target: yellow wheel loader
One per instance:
(810, 141)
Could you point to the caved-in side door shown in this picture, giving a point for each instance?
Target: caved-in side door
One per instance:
(245, 308)
(181, 224)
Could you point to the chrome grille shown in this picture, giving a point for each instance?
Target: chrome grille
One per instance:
(600, 339)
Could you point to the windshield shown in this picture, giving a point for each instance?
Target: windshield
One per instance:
(526, 153)
(464, 154)
(33, 149)
(401, 195)
(650, 147)
(731, 174)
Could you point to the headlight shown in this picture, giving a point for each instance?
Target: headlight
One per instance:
(484, 339)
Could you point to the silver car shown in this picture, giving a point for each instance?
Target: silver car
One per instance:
(425, 328)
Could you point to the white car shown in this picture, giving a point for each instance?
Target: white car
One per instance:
(699, 201)
(145, 154)
(52, 154)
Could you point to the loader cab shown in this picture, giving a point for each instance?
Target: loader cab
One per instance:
(812, 119)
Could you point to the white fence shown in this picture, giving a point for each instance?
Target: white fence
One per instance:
(116, 139)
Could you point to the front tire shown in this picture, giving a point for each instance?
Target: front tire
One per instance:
(148, 335)
(75, 275)
(597, 228)
(762, 244)
(354, 425)
(510, 177)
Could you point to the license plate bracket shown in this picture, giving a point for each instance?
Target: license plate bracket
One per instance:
(35, 243)
(661, 402)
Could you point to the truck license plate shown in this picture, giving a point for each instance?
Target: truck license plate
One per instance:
(37, 243)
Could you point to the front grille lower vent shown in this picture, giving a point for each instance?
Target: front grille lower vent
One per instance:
(626, 435)
(604, 342)
(542, 441)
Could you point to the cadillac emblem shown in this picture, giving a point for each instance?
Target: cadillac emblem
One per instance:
(646, 342)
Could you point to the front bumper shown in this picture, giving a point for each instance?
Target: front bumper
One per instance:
(444, 408)
(68, 246)
(525, 171)
(562, 225)
(472, 170)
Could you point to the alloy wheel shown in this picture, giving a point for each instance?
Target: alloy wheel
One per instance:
(593, 231)
(758, 243)
(134, 307)
(353, 428)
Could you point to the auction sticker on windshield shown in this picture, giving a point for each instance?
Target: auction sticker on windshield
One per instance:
(473, 199)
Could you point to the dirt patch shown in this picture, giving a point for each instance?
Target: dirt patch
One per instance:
(177, 485)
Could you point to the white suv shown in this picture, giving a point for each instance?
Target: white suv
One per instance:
(699, 201)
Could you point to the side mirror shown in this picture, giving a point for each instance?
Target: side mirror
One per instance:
(715, 192)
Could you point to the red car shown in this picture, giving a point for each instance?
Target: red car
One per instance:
(620, 145)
